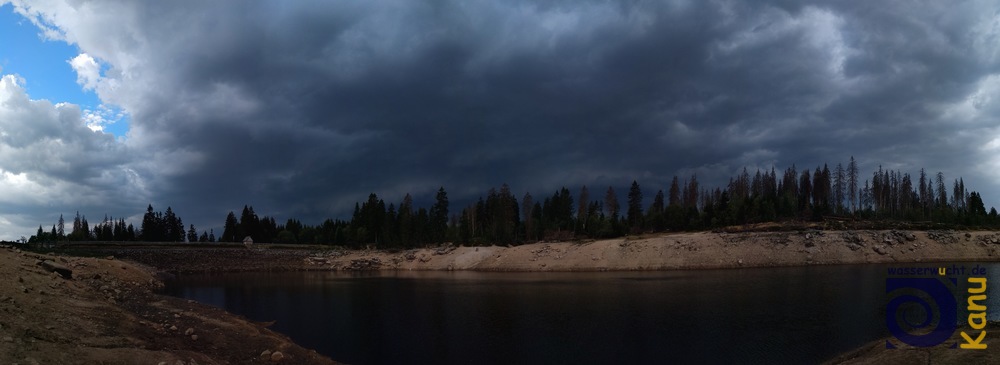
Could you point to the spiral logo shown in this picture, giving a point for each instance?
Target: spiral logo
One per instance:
(912, 307)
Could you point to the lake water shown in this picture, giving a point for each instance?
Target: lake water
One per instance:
(767, 315)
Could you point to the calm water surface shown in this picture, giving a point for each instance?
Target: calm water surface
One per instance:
(787, 315)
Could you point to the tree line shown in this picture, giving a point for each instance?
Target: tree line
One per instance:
(156, 227)
(500, 217)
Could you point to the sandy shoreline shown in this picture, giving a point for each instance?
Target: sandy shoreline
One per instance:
(701, 250)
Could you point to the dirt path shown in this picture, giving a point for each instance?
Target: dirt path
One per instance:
(106, 312)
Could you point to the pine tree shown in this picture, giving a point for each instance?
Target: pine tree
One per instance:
(172, 228)
(405, 218)
(611, 204)
(84, 229)
(230, 230)
(438, 216)
(805, 193)
(249, 225)
(581, 210)
(942, 199)
(75, 234)
(192, 234)
(923, 195)
(852, 184)
(61, 228)
(839, 187)
(528, 207)
(151, 230)
(654, 216)
(675, 193)
(635, 207)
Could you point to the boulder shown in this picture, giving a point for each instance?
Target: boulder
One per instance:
(58, 268)
(277, 356)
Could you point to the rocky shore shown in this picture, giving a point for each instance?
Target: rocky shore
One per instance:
(73, 310)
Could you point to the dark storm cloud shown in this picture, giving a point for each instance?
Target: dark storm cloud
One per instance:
(302, 109)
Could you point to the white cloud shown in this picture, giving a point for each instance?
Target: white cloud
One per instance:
(88, 72)
(102, 117)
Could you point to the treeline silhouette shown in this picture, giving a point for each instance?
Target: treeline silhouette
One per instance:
(156, 227)
(500, 217)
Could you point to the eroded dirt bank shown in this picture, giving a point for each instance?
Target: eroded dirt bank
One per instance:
(699, 250)
(106, 312)
(685, 251)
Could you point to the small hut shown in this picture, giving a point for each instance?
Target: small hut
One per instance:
(248, 241)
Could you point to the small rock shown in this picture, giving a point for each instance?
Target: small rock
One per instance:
(740, 261)
(194, 337)
(176, 315)
(880, 250)
(277, 356)
(173, 328)
(110, 257)
(189, 331)
(266, 354)
(8, 339)
(968, 235)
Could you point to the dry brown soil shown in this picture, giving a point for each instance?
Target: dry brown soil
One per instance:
(107, 312)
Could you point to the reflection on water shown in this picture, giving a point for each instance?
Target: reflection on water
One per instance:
(793, 315)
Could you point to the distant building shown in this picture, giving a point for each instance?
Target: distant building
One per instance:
(248, 241)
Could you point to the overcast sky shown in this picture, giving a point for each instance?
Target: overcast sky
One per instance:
(301, 108)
